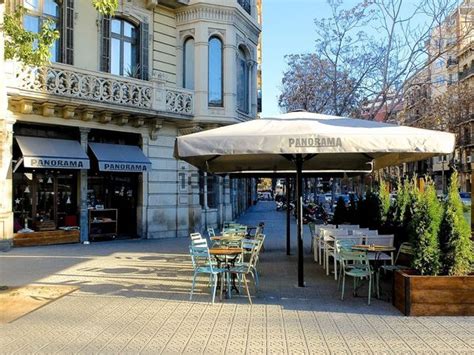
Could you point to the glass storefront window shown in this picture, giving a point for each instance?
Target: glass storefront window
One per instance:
(44, 200)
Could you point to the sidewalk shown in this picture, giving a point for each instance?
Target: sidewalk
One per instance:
(133, 297)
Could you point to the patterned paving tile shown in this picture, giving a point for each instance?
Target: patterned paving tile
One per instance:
(134, 298)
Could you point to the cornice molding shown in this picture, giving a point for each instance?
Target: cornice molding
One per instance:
(220, 14)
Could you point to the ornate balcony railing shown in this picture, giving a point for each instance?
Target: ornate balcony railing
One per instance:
(179, 101)
(466, 72)
(103, 88)
(245, 5)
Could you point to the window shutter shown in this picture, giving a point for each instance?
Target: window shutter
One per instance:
(105, 44)
(144, 33)
(67, 32)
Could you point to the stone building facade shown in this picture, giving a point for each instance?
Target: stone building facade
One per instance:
(122, 89)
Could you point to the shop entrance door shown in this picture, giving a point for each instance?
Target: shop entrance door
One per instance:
(117, 191)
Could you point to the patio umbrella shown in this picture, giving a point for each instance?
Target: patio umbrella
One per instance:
(299, 141)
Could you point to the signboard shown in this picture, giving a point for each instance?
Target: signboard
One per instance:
(55, 163)
(123, 167)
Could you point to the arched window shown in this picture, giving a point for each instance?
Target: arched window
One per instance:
(215, 72)
(188, 64)
(242, 81)
(123, 48)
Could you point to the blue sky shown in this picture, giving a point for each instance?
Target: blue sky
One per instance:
(288, 28)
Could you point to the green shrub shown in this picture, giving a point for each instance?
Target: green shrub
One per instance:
(340, 213)
(384, 198)
(457, 253)
(424, 227)
(352, 210)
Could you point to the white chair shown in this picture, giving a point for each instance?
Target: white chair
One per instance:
(382, 239)
(365, 232)
(348, 226)
(319, 230)
(328, 238)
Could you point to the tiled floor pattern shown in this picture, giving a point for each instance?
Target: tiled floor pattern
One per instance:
(133, 298)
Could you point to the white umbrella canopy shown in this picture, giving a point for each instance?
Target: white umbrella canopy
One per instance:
(330, 143)
(302, 142)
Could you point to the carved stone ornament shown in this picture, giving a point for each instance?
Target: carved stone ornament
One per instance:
(189, 130)
(155, 125)
(69, 112)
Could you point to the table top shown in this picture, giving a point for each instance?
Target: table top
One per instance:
(374, 248)
(225, 251)
(229, 237)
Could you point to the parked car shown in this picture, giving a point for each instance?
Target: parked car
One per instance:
(465, 198)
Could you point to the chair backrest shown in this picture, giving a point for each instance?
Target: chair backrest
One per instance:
(199, 242)
(210, 232)
(347, 226)
(194, 236)
(247, 246)
(227, 223)
(404, 254)
(365, 231)
(328, 233)
(200, 256)
(354, 239)
(354, 258)
(346, 243)
(382, 239)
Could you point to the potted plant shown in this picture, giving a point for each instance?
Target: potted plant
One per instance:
(440, 282)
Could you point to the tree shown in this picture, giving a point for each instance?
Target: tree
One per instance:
(340, 213)
(425, 226)
(377, 45)
(32, 48)
(305, 85)
(458, 254)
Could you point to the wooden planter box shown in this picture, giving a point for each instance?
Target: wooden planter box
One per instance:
(46, 238)
(416, 295)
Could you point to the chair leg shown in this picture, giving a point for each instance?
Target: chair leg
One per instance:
(247, 288)
(327, 263)
(343, 285)
(335, 268)
(320, 252)
(377, 283)
(192, 287)
(214, 288)
(370, 289)
(222, 285)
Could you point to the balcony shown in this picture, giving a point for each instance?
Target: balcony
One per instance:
(467, 72)
(245, 5)
(451, 62)
(66, 85)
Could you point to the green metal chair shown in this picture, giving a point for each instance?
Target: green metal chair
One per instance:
(202, 264)
(356, 265)
(405, 250)
(243, 269)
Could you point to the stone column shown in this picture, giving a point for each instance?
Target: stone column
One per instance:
(204, 192)
(142, 194)
(253, 88)
(230, 73)
(201, 47)
(82, 190)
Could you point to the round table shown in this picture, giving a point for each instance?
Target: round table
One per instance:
(229, 254)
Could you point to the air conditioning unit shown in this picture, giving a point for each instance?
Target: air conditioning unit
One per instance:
(469, 159)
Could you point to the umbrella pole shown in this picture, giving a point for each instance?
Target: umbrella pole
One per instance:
(299, 217)
(288, 232)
